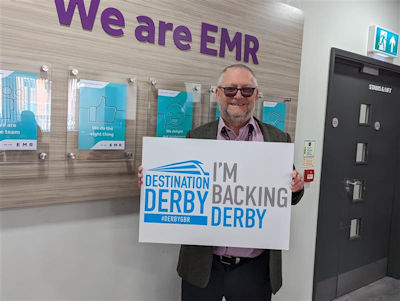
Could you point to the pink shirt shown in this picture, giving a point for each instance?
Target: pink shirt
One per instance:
(250, 132)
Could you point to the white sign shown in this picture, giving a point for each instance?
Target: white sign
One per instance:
(216, 193)
(380, 88)
(309, 153)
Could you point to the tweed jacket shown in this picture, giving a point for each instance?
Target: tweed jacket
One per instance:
(195, 262)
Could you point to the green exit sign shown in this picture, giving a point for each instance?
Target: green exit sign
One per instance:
(382, 41)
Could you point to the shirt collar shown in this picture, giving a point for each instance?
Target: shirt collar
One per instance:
(223, 129)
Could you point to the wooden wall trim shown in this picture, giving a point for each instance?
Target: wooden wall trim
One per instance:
(30, 31)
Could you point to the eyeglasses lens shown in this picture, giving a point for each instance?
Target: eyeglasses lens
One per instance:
(231, 91)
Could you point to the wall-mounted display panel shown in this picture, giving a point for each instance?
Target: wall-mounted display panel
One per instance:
(213, 109)
(174, 107)
(25, 114)
(101, 120)
(174, 113)
(274, 113)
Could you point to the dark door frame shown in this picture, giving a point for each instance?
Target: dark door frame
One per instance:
(370, 66)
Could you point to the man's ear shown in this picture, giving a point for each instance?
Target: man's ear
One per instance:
(218, 92)
(256, 93)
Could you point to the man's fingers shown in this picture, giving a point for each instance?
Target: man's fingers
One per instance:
(297, 181)
(140, 176)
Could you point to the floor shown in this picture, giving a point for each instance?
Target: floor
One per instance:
(385, 289)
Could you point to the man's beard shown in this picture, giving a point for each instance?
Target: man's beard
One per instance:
(240, 119)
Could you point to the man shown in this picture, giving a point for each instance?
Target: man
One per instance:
(209, 273)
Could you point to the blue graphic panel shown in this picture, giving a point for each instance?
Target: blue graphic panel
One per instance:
(217, 113)
(274, 113)
(102, 113)
(19, 106)
(175, 113)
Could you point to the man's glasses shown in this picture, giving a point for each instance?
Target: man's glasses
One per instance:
(232, 91)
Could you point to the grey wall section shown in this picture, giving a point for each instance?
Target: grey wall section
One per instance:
(394, 248)
(84, 251)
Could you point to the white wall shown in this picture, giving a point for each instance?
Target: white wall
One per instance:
(89, 251)
(340, 24)
(86, 251)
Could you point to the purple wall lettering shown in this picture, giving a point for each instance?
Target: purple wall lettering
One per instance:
(107, 21)
(182, 34)
(162, 29)
(149, 28)
(226, 41)
(205, 38)
(248, 40)
(87, 20)
(113, 23)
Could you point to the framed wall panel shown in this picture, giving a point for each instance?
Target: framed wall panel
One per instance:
(101, 120)
(25, 112)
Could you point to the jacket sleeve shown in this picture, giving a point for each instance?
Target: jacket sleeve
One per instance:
(296, 196)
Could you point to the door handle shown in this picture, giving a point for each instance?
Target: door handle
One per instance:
(348, 182)
(349, 185)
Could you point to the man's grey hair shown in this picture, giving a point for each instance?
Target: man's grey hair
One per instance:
(237, 66)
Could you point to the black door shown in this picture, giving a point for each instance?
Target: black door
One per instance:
(359, 174)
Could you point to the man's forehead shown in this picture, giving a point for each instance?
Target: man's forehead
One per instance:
(238, 75)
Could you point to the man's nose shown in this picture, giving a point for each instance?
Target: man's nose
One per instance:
(239, 95)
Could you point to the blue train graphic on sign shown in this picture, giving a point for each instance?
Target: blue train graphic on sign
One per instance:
(192, 167)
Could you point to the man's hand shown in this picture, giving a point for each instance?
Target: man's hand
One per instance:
(140, 176)
(297, 181)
